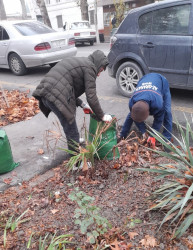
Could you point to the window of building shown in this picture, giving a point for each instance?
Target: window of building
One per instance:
(47, 1)
(108, 16)
(172, 20)
(57, 1)
(59, 21)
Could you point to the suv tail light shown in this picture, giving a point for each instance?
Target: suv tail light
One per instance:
(76, 34)
(112, 41)
(42, 46)
(92, 33)
(71, 41)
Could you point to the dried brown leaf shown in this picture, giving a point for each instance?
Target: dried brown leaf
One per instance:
(149, 241)
(132, 235)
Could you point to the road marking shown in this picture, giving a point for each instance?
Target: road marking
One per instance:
(105, 98)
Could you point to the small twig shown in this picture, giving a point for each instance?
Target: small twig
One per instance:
(4, 96)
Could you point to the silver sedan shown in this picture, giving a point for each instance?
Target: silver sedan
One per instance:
(26, 44)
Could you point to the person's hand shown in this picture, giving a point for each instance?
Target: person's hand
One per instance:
(107, 118)
(87, 109)
(151, 141)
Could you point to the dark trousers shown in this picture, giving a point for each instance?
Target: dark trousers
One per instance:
(70, 130)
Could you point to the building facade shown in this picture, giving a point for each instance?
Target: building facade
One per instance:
(61, 11)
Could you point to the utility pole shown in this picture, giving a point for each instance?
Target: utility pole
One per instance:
(96, 21)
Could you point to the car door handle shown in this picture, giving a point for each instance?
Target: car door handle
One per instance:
(4, 44)
(148, 45)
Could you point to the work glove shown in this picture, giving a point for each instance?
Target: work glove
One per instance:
(107, 118)
(86, 108)
(151, 141)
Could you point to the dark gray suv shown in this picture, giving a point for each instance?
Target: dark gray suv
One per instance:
(154, 38)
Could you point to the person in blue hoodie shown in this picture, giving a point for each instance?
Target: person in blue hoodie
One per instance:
(151, 97)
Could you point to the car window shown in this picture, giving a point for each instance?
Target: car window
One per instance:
(80, 25)
(145, 22)
(172, 20)
(3, 34)
(30, 29)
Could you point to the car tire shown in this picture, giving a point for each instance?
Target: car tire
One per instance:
(16, 65)
(91, 43)
(127, 77)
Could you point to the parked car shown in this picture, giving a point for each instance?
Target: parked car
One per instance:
(113, 31)
(82, 31)
(26, 44)
(154, 38)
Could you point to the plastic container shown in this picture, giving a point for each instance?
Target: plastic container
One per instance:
(107, 141)
(6, 159)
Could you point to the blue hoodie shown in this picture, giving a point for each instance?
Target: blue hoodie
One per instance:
(154, 89)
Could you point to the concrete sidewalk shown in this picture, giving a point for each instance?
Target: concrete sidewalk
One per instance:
(26, 138)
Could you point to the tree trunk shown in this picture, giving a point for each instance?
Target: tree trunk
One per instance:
(84, 10)
(41, 4)
(2, 11)
(24, 11)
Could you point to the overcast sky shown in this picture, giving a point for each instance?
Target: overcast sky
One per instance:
(12, 6)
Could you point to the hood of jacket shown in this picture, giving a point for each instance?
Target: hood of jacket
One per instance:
(99, 59)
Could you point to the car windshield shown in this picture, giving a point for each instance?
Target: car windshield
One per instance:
(80, 25)
(30, 29)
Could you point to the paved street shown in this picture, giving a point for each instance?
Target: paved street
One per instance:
(111, 100)
(27, 137)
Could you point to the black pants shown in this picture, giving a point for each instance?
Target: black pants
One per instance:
(70, 130)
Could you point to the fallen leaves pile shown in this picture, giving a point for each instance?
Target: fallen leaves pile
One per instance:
(119, 190)
(16, 106)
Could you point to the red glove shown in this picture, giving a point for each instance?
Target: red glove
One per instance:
(87, 109)
(151, 141)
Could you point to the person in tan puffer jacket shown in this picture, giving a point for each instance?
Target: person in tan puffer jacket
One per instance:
(61, 87)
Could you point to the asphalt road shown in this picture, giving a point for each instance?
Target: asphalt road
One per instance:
(111, 100)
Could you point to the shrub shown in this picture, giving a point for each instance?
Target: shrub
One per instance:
(175, 194)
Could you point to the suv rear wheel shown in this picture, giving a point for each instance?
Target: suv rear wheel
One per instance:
(127, 77)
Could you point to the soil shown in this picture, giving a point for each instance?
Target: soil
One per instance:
(120, 191)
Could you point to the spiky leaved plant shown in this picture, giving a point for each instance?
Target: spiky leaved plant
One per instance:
(87, 153)
(175, 194)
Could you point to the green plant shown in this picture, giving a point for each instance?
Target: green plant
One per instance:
(87, 153)
(29, 241)
(88, 217)
(55, 242)
(132, 222)
(175, 194)
(13, 224)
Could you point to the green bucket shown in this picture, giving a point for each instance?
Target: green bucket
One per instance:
(107, 141)
(6, 159)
